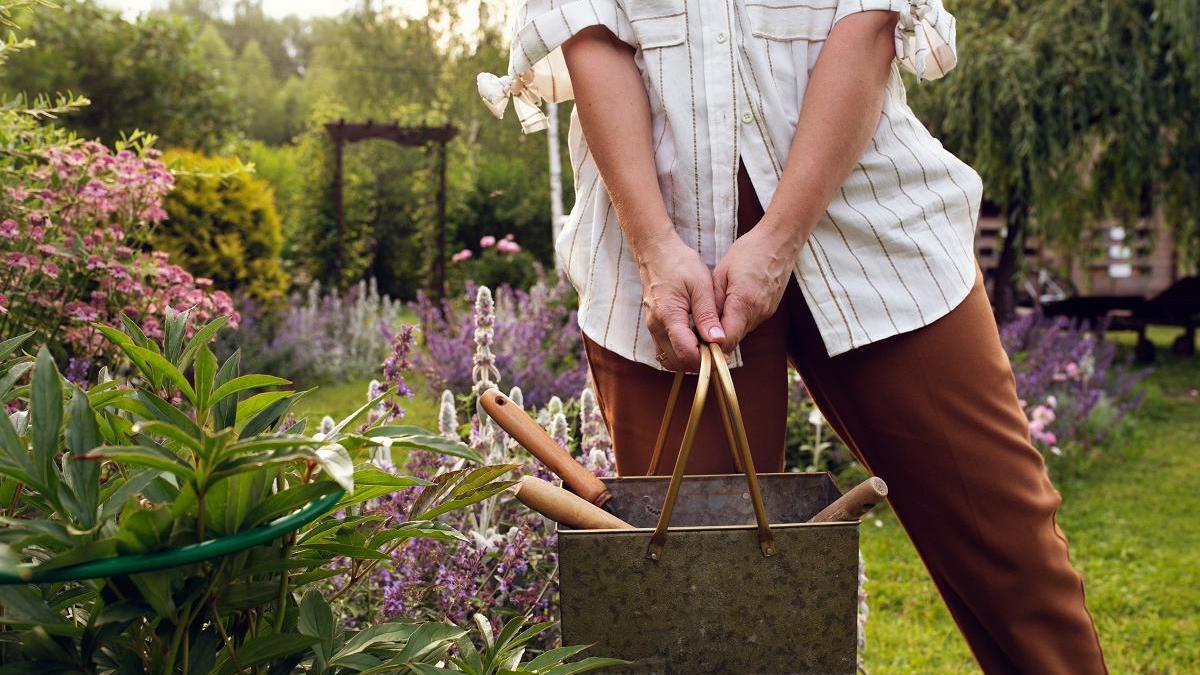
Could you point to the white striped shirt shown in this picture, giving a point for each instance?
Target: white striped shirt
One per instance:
(726, 79)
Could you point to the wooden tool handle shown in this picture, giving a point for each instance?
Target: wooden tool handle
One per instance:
(565, 507)
(534, 438)
(855, 503)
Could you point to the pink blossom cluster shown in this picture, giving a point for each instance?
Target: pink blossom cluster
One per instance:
(506, 245)
(1041, 416)
(73, 237)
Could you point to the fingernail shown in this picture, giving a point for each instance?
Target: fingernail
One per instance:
(716, 333)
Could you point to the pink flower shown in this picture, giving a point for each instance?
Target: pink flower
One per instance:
(95, 262)
(8, 229)
(47, 249)
(508, 246)
(50, 270)
(3, 304)
(462, 255)
(487, 241)
(22, 261)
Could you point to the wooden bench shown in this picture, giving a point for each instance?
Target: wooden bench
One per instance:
(1178, 305)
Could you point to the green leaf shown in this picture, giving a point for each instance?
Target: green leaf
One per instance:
(13, 344)
(170, 432)
(316, 620)
(428, 642)
(230, 467)
(175, 327)
(416, 437)
(165, 412)
(286, 501)
(127, 345)
(24, 605)
(251, 406)
(46, 416)
(115, 493)
(13, 450)
(225, 411)
(83, 435)
(270, 415)
(245, 382)
(279, 442)
(427, 669)
(394, 632)
(10, 379)
(264, 649)
(153, 457)
(201, 337)
(143, 530)
(346, 550)
(457, 489)
(161, 369)
(136, 335)
(589, 664)
(423, 529)
(553, 657)
(203, 374)
(370, 475)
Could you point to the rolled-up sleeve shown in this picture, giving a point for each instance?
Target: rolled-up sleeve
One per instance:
(537, 71)
(925, 33)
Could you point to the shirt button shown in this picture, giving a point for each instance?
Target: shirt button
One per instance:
(721, 38)
(747, 118)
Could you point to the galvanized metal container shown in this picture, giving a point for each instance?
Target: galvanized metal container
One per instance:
(738, 583)
(713, 603)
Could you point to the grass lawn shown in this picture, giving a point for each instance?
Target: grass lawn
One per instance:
(1133, 519)
(339, 400)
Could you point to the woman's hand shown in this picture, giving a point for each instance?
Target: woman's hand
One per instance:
(750, 280)
(676, 286)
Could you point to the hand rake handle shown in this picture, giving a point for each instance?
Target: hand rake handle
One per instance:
(534, 438)
(855, 503)
(564, 507)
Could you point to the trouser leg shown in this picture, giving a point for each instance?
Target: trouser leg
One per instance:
(934, 412)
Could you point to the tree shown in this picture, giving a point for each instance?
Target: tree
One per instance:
(1073, 111)
(146, 74)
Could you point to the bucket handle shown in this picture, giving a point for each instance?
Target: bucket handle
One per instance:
(735, 433)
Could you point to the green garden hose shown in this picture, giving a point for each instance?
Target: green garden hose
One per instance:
(185, 555)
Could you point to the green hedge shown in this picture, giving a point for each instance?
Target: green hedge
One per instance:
(223, 225)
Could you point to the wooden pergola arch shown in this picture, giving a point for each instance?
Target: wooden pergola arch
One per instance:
(430, 138)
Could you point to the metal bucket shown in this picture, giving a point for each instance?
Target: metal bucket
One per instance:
(720, 591)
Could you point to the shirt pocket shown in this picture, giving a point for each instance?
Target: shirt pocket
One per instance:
(786, 20)
(658, 23)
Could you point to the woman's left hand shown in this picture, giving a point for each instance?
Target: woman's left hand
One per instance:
(750, 279)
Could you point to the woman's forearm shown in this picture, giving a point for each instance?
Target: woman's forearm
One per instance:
(614, 113)
(840, 111)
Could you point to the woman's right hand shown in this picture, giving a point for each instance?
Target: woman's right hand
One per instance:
(677, 291)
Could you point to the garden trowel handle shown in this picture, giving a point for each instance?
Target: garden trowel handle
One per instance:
(534, 438)
(855, 503)
(565, 507)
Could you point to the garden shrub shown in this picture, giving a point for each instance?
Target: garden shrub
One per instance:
(222, 224)
(499, 262)
(168, 460)
(321, 336)
(1073, 387)
(74, 229)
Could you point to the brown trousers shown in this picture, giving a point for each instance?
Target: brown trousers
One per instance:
(933, 412)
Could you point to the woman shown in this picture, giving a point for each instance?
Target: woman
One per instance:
(747, 172)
